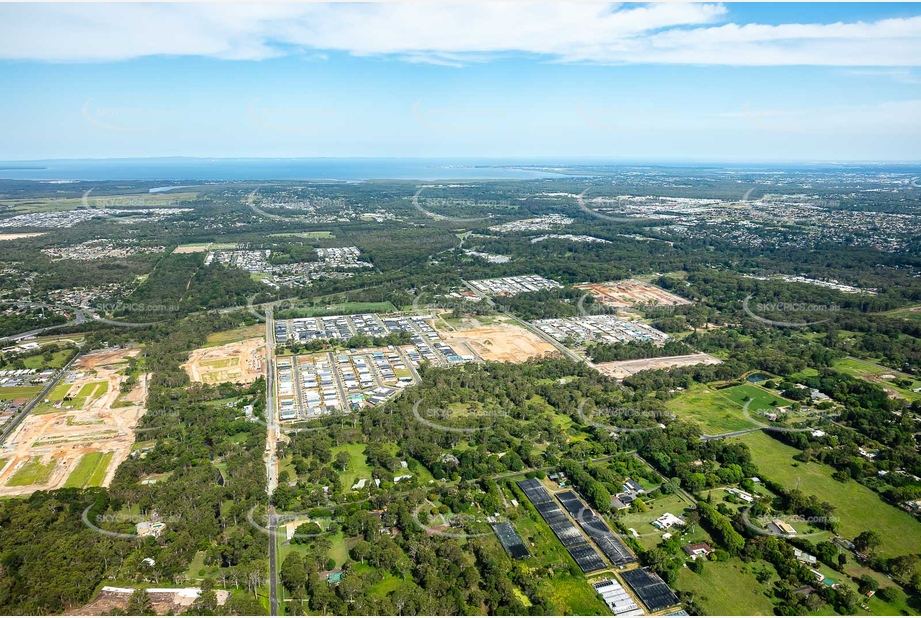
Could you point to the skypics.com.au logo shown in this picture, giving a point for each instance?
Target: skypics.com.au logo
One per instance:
(623, 419)
(454, 526)
(785, 308)
(144, 525)
(436, 418)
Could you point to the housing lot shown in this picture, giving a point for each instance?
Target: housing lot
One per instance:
(601, 328)
(90, 418)
(511, 286)
(314, 384)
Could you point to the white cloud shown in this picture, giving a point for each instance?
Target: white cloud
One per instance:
(448, 33)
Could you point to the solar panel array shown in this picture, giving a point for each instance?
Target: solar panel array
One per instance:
(597, 529)
(510, 540)
(649, 587)
(583, 553)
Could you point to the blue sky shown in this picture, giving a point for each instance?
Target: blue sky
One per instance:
(707, 82)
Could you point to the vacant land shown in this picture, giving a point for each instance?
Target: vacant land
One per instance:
(325, 234)
(631, 292)
(857, 507)
(720, 410)
(90, 471)
(47, 449)
(201, 247)
(357, 467)
(18, 236)
(729, 588)
(500, 341)
(241, 362)
(31, 472)
(622, 369)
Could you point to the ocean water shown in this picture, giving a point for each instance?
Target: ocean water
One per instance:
(181, 169)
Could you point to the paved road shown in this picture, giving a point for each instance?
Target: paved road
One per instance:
(270, 461)
(28, 407)
(729, 434)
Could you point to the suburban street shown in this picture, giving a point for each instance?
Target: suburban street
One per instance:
(271, 462)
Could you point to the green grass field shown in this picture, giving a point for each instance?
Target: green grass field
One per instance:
(38, 362)
(93, 390)
(858, 507)
(729, 588)
(358, 467)
(715, 410)
(20, 392)
(31, 473)
(90, 471)
(237, 334)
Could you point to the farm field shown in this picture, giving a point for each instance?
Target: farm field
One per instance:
(571, 594)
(858, 507)
(729, 588)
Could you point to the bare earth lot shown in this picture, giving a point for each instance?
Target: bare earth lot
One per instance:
(54, 442)
(622, 369)
(241, 362)
(631, 292)
(18, 236)
(500, 342)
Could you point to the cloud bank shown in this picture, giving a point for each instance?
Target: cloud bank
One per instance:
(444, 33)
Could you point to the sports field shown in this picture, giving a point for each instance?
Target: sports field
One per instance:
(857, 507)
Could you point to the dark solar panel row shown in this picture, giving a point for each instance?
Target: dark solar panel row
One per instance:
(571, 502)
(535, 491)
(551, 512)
(587, 558)
(597, 529)
(649, 587)
(568, 534)
(614, 549)
(510, 540)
